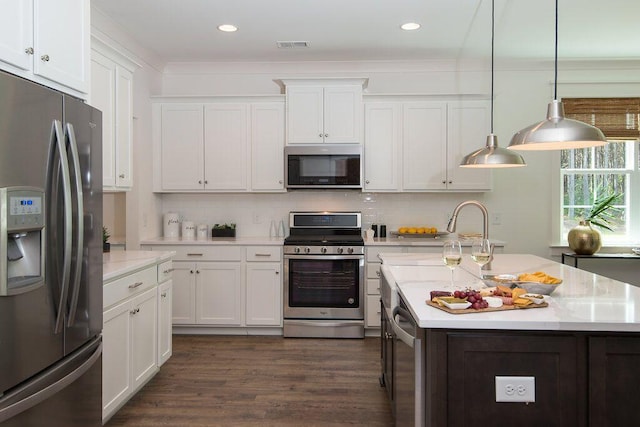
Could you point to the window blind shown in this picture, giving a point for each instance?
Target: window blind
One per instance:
(617, 118)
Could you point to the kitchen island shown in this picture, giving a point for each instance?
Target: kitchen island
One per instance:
(581, 352)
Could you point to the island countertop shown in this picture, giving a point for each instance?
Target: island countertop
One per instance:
(120, 263)
(583, 302)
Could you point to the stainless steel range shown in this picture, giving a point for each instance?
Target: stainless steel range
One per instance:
(324, 275)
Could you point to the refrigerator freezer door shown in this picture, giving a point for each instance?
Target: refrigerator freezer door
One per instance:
(67, 394)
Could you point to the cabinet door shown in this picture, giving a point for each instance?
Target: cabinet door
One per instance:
(468, 126)
(219, 293)
(343, 114)
(103, 79)
(116, 357)
(264, 294)
(267, 146)
(226, 136)
(61, 41)
(144, 336)
(424, 146)
(382, 146)
(182, 146)
(183, 305)
(124, 128)
(16, 33)
(164, 322)
(305, 105)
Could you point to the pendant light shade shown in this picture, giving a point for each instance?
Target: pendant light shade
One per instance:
(557, 132)
(492, 156)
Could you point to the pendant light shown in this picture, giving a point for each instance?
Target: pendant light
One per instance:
(557, 132)
(492, 156)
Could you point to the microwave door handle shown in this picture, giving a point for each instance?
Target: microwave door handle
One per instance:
(75, 162)
(59, 141)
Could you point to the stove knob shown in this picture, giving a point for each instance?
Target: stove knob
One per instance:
(340, 250)
(297, 249)
(350, 250)
(307, 250)
(323, 250)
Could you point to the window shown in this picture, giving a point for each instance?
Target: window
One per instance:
(590, 173)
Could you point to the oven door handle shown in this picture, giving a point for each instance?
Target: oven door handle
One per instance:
(325, 257)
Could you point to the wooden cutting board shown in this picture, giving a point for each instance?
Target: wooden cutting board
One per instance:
(484, 310)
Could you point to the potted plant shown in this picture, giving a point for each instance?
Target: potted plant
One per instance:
(106, 246)
(585, 240)
(223, 230)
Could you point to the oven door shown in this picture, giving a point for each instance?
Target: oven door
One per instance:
(324, 287)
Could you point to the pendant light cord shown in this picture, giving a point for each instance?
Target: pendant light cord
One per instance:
(492, 39)
(555, 76)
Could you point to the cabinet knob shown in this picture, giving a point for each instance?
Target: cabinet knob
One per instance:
(320, 135)
(45, 58)
(29, 51)
(444, 182)
(121, 176)
(197, 271)
(191, 271)
(280, 181)
(366, 181)
(163, 295)
(326, 135)
(277, 272)
(206, 182)
(199, 181)
(450, 182)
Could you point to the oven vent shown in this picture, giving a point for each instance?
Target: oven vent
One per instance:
(292, 44)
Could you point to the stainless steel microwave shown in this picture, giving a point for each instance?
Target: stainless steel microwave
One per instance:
(323, 166)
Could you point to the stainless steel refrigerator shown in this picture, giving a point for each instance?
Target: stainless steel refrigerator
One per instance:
(50, 257)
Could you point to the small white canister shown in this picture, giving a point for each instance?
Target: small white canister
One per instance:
(202, 232)
(188, 230)
(171, 226)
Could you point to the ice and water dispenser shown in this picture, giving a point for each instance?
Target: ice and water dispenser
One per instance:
(22, 245)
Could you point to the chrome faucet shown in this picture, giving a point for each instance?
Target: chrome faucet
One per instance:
(451, 227)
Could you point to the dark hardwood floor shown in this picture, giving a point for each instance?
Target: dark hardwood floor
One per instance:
(263, 381)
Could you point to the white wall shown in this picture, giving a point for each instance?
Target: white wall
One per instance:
(522, 197)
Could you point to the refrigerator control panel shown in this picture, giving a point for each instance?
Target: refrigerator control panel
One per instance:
(24, 208)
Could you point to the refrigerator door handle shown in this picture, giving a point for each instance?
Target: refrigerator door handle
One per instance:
(75, 162)
(58, 134)
(45, 393)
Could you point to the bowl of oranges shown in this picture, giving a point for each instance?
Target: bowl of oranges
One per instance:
(418, 231)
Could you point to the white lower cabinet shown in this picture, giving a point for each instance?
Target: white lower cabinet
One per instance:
(136, 334)
(229, 286)
(129, 349)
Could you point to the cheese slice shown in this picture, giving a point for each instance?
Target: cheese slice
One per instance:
(522, 302)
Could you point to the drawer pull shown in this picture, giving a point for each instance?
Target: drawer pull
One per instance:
(163, 295)
(267, 255)
(167, 271)
(194, 254)
(134, 311)
(135, 285)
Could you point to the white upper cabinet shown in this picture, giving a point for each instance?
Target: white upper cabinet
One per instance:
(418, 145)
(267, 146)
(324, 112)
(47, 42)
(112, 93)
(226, 136)
(219, 146)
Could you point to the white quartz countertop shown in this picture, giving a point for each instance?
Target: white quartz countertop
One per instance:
(583, 302)
(120, 263)
(420, 241)
(212, 241)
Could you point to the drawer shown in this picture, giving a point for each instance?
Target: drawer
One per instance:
(264, 253)
(164, 271)
(373, 251)
(373, 311)
(205, 253)
(125, 287)
(373, 286)
(373, 270)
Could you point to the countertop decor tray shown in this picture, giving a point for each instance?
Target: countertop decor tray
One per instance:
(419, 235)
(483, 310)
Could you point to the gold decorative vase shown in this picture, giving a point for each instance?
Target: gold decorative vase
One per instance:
(583, 239)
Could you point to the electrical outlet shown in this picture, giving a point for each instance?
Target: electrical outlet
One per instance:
(515, 389)
(496, 218)
(257, 218)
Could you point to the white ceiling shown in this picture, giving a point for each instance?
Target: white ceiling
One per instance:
(342, 30)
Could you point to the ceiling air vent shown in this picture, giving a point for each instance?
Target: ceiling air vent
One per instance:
(292, 45)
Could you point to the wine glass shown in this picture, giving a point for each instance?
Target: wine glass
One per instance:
(481, 252)
(451, 255)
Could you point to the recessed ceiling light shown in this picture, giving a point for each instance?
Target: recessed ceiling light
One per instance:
(409, 26)
(227, 28)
